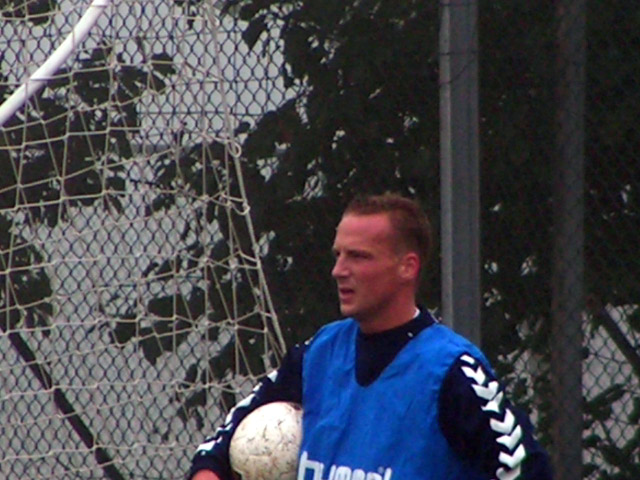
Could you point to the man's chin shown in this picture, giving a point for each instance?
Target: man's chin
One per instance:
(347, 310)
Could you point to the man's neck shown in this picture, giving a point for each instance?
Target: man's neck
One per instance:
(388, 321)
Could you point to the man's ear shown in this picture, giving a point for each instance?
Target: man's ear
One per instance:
(410, 266)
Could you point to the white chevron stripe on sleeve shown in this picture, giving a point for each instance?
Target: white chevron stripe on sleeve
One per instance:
(476, 375)
(512, 474)
(246, 401)
(205, 447)
(505, 426)
(468, 359)
(512, 452)
(495, 405)
(512, 461)
(487, 393)
(511, 440)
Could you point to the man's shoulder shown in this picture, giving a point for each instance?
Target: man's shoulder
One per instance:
(443, 343)
(337, 334)
(343, 326)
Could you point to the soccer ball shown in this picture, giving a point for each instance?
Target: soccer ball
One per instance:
(266, 443)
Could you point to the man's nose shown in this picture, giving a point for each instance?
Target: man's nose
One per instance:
(339, 269)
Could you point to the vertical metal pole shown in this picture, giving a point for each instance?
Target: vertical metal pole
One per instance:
(459, 167)
(568, 253)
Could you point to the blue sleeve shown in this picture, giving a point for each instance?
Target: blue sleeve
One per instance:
(285, 384)
(483, 427)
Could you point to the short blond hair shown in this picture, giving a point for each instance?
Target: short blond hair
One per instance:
(407, 218)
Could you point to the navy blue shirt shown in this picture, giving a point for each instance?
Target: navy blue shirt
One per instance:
(485, 437)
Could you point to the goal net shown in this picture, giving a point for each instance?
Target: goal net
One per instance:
(133, 308)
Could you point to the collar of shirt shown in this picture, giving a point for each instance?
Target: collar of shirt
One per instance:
(377, 350)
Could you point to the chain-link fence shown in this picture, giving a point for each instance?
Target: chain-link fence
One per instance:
(560, 193)
(133, 300)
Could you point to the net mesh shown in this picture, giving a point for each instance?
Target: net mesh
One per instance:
(133, 308)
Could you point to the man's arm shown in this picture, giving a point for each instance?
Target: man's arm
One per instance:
(211, 460)
(482, 425)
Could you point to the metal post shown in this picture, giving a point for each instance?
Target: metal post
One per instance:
(459, 146)
(568, 254)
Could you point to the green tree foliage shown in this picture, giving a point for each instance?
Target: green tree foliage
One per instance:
(353, 116)
(519, 72)
(364, 119)
(612, 223)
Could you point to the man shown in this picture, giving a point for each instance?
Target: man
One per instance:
(389, 393)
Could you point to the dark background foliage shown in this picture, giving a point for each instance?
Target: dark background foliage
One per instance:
(362, 116)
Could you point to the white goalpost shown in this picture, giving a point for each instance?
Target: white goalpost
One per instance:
(133, 305)
(39, 79)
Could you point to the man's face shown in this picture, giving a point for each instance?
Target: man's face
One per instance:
(367, 267)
